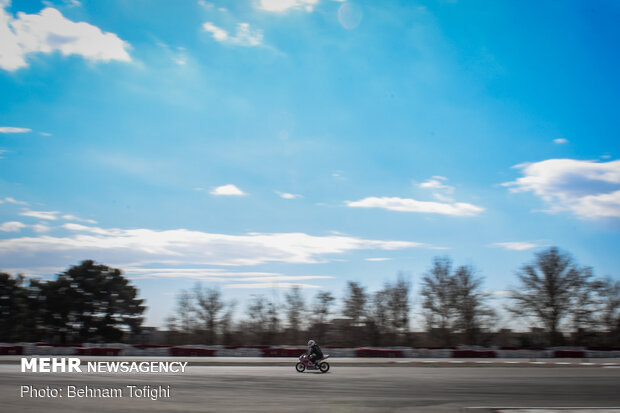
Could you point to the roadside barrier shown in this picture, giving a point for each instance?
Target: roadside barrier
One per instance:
(11, 350)
(98, 351)
(473, 354)
(283, 352)
(377, 352)
(569, 354)
(191, 352)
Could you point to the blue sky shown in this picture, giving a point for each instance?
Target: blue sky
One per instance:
(257, 144)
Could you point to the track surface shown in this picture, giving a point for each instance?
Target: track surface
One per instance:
(343, 389)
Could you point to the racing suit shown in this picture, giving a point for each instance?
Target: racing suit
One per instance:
(314, 353)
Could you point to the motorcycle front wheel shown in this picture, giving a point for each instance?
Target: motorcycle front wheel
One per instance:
(324, 367)
(300, 367)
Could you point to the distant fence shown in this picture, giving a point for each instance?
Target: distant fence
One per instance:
(119, 349)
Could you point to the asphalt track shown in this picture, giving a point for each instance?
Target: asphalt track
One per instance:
(381, 388)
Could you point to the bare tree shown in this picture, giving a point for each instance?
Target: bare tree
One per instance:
(321, 308)
(294, 312)
(585, 307)
(378, 320)
(183, 323)
(226, 323)
(608, 292)
(209, 304)
(388, 314)
(548, 290)
(472, 314)
(438, 298)
(355, 302)
(398, 305)
(263, 319)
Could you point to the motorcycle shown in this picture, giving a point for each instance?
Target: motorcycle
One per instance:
(305, 363)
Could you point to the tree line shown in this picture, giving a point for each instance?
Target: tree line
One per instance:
(556, 301)
(560, 302)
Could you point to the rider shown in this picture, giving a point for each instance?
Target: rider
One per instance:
(314, 352)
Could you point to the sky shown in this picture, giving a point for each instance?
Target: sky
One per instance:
(254, 145)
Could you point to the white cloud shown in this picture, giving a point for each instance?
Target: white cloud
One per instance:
(79, 227)
(441, 191)
(67, 3)
(14, 201)
(560, 141)
(41, 228)
(45, 134)
(286, 195)
(12, 226)
(280, 6)
(49, 31)
(271, 285)
(516, 246)
(377, 259)
(589, 189)
(413, 205)
(47, 215)
(245, 36)
(227, 190)
(69, 217)
(436, 182)
(218, 275)
(205, 4)
(126, 246)
(218, 34)
(10, 129)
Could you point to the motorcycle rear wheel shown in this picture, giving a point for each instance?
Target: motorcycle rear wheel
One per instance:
(324, 367)
(300, 367)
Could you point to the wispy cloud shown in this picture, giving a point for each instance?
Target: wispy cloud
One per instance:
(12, 226)
(589, 189)
(516, 245)
(49, 31)
(126, 246)
(11, 200)
(413, 205)
(270, 285)
(10, 129)
(66, 3)
(40, 228)
(46, 215)
(286, 195)
(377, 259)
(218, 33)
(245, 35)
(560, 141)
(440, 190)
(281, 6)
(69, 217)
(234, 279)
(227, 190)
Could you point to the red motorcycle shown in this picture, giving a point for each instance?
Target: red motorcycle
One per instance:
(305, 364)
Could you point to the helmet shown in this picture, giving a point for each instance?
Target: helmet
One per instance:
(311, 343)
